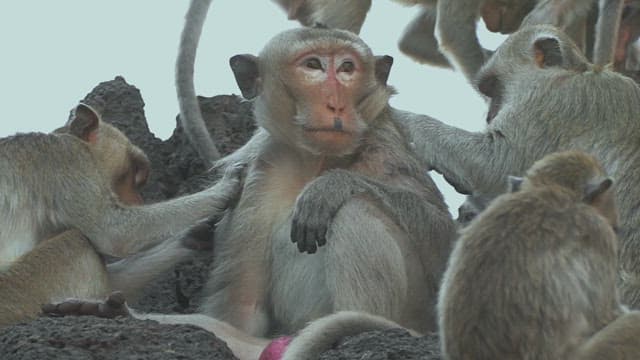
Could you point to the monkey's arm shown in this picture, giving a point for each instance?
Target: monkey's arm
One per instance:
(419, 42)
(321, 199)
(472, 162)
(247, 153)
(456, 34)
(123, 231)
(609, 14)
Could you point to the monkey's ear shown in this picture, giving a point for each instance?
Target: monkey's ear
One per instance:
(547, 52)
(383, 68)
(515, 183)
(247, 73)
(84, 123)
(595, 190)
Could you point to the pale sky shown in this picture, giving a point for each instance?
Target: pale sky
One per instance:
(55, 52)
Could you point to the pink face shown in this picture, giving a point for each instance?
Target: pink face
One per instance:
(328, 84)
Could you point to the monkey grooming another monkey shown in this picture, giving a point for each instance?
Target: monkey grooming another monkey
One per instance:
(545, 97)
(534, 275)
(85, 178)
(80, 177)
(330, 171)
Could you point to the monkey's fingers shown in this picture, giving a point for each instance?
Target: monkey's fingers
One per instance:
(112, 307)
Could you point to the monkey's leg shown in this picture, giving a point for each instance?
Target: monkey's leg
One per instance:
(363, 267)
(61, 267)
(619, 340)
(235, 292)
(419, 41)
(456, 35)
(131, 274)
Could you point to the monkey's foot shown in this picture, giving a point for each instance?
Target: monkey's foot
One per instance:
(112, 307)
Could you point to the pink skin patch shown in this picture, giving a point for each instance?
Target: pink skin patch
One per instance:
(276, 348)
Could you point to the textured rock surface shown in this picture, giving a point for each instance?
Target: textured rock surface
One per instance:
(175, 170)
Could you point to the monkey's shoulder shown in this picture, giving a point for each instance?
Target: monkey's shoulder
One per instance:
(40, 150)
(544, 214)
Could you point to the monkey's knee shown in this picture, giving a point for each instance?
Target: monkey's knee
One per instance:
(368, 265)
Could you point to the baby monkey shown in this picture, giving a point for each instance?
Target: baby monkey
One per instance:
(534, 276)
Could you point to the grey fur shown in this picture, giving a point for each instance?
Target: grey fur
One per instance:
(53, 182)
(387, 229)
(63, 198)
(533, 277)
(545, 109)
(190, 113)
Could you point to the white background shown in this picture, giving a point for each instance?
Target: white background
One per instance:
(55, 52)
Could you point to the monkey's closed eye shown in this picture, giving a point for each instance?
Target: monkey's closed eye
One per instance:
(313, 63)
(347, 67)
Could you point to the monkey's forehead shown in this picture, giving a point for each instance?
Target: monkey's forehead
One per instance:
(303, 39)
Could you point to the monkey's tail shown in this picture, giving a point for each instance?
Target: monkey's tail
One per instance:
(321, 334)
(190, 114)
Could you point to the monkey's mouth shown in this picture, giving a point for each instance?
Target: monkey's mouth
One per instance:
(337, 128)
(323, 130)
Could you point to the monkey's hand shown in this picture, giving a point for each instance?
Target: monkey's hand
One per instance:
(228, 189)
(113, 306)
(317, 205)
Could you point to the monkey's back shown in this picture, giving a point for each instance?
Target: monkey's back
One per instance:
(519, 284)
(38, 172)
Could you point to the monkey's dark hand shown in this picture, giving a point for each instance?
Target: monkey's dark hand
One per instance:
(113, 306)
(318, 204)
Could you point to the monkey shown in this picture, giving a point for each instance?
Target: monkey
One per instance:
(443, 33)
(323, 104)
(534, 275)
(455, 26)
(97, 160)
(331, 173)
(544, 97)
(418, 40)
(83, 176)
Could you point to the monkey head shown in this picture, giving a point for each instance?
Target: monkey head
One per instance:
(577, 173)
(316, 89)
(122, 163)
(510, 72)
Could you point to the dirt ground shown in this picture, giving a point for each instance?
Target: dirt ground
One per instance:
(176, 170)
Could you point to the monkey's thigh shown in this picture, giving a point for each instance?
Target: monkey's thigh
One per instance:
(65, 266)
(362, 267)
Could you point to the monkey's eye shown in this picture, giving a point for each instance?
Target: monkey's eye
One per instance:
(313, 63)
(347, 67)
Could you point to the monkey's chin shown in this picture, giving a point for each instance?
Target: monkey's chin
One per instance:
(332, 143)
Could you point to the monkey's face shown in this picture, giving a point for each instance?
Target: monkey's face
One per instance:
(124, 164)
(327, 85)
